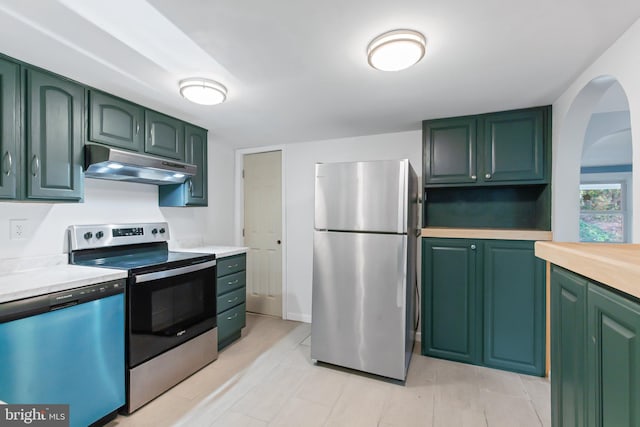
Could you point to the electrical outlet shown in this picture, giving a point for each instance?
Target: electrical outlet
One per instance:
(19, 229)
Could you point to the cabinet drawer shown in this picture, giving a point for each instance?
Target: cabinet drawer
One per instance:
(230, 282)
(231, 321)
(231, 264)
(231, 299)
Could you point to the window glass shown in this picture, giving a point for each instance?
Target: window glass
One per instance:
(602, 216)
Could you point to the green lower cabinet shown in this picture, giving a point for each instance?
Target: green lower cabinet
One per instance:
(613, 359)
(450, 327)
(483, 303)
(514, 306)
(568, 348)
(231, 297)
(595, 354)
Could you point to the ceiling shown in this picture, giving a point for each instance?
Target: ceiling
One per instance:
(297, 70)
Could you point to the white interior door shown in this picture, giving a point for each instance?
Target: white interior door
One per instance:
(263, 231)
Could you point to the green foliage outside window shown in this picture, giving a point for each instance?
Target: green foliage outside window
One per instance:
(601, 215)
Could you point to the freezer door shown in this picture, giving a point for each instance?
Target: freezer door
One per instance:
(362, 196)
(359, 302)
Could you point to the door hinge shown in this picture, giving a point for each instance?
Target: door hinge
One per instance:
(243, 232)
(242, 173)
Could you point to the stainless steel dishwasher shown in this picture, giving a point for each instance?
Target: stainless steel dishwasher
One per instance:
(66, 348)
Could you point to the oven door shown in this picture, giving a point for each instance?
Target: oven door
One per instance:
(169, 307)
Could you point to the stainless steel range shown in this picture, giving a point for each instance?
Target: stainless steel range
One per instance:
(170, 299)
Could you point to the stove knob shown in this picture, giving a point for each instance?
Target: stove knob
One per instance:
(88, 235)
(99, 235)
(162, 231)
(154, 231)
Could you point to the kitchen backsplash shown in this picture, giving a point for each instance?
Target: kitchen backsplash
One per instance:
(44, 224)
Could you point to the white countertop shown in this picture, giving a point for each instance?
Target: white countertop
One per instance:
(16, 285)
(219, 251)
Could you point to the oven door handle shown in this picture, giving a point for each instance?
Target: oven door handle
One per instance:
(173, 272)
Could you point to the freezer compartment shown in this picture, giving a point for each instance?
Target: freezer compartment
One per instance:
(359, 307)
(362, 196)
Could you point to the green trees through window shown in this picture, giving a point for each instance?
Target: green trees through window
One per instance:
(602, 212)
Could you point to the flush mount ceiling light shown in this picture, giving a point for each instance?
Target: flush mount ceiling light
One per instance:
(396, 50)
(203, 91)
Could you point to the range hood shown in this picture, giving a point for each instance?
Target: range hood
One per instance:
(104, 162)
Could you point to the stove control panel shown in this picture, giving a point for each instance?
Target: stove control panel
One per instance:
(105, 235)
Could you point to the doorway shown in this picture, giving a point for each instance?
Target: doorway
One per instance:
(262, 231)
(593, 159)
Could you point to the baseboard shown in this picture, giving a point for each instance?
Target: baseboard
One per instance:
(299, 317)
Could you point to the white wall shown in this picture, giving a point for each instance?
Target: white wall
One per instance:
(299, 169)
(571, 113)
(120, 202)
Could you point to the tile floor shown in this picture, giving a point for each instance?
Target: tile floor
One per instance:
(268, 379)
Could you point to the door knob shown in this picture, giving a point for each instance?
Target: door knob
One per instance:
(278, 241)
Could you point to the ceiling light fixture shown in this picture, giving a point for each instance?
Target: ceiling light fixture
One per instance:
(396, 50)
(203, 91)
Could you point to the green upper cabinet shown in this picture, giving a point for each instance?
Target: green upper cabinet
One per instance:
(54, 137)
(194, 191)
(513, 146)
(450, 151)
(505, 148)
(164, 135)
(451, 326)
(9, 135)
(116, 122)
(514, 306)
(196, 153)
(613, 359)
(568, 348)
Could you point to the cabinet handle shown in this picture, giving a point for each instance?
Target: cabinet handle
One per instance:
(35, 165)
(8, 163)
(234, 282)
(190, 187)
(233, 300)
(232, 266)
(473, 177)
(473, 247)
(232, 317)
(137, 127)
(487, 176)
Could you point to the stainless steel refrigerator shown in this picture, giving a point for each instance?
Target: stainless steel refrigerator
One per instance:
(364, 258)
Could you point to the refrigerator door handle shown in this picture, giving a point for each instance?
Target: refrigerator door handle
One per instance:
(402, 274)
(401, 195)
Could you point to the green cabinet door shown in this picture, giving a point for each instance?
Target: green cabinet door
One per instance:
(164, 135)
(449, 151)
(613, 359)
(568, 348)
(9, 119)
(194, 191)
(196, 153)
(451, 325)
(54, 137)
(514, 297)
(513, 146)
(116, 122)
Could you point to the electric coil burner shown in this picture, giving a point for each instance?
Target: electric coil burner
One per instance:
(171, 303)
